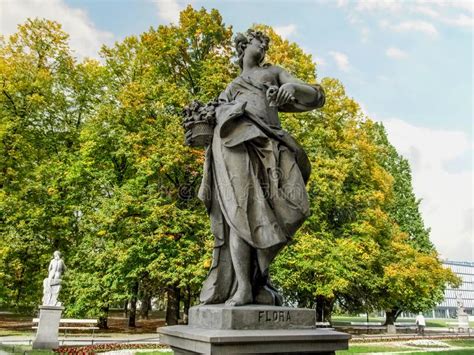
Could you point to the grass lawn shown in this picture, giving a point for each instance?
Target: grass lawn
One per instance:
(467, 344)
(376, 348)
(23, 349)
(8, 332)
(156, 353)
(430, 322)
(450, 352)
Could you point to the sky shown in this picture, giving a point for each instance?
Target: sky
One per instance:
(409, 64)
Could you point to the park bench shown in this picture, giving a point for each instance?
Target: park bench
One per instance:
(367, 323)
(461, 326)
(323, 325)
(73, 324)
(366, 327)
(406, 326)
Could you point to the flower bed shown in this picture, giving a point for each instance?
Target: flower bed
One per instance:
(98, 348)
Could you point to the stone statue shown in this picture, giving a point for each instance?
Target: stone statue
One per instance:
(460, 304)
(52, 284)
(254, 175)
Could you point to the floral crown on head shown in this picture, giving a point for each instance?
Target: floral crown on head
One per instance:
(242, 39)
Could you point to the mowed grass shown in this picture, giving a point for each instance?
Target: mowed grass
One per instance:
(430, 322)
(365, 349)
(467, 344)
(8, 332)
(23, 349)
(360, 349)
(450, 352)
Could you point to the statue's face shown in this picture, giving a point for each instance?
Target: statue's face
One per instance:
(256, 50)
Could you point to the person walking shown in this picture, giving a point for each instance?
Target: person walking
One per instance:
(421, 323)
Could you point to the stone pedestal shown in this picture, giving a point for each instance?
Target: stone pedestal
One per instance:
(253, 329)
(47, 333)
(463, 318)
(391, 329)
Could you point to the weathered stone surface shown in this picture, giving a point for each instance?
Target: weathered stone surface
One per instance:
(47, 333)
(251, 317)
(192, 340)
(52, 284)
(255, 173)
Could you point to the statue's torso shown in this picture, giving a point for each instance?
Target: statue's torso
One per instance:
(252, 90)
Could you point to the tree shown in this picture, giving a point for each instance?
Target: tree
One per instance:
(152, 231)
(44, 98)
(413, 278)
(404, 207)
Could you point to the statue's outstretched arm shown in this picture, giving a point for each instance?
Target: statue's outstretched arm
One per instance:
(295, 95)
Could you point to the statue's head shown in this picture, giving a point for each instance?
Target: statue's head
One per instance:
(57, 254)
(252, 43)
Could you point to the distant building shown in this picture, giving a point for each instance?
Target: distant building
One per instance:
(463, 295)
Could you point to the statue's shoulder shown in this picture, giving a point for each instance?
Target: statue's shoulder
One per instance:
(273, 68)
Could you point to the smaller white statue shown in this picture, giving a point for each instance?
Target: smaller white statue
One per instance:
(52, 284)
(460, 304)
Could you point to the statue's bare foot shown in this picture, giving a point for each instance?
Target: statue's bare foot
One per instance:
(240, 298)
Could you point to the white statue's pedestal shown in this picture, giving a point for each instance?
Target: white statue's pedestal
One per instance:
(48, 328)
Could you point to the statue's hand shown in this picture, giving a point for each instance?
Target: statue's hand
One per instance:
(286, 94)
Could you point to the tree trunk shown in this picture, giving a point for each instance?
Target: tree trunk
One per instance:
(133, 306)
(187, 304)
(125, 309)
(102, 321)
(19, 294)
(391, 316)
(323, 309)
(145, 306)
(172, 307)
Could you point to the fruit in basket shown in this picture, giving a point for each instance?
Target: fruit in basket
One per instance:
(198, 122)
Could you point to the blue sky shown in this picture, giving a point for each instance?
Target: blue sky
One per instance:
(408, 63)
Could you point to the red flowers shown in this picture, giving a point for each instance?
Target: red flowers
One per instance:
(93, 349)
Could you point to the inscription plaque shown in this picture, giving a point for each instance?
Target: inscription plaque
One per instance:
(274, 316)
(251, 317)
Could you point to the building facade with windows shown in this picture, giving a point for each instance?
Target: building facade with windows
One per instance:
(464, 295)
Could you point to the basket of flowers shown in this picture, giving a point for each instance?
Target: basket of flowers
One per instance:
(198, 121)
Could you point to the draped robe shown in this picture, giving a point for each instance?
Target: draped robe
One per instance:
(253, 184)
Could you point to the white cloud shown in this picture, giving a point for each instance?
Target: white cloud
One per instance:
(341, 59)
(375, 5)
(285, 31)
(426, 10)
(395, 53)
(168, 10)
(342, 3)
(320, 61)
(412, 26)
(466, 5)
(460, 21)
(85, 38)
(447, 203)
(457, 13)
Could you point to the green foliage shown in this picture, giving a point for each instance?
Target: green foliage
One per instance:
(42, 104)
(146, 227)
